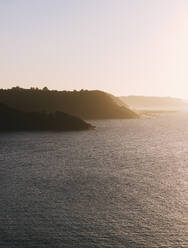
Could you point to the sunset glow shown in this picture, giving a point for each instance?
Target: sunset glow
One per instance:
(123, 47)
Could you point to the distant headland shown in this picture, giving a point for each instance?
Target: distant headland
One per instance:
(155, 103)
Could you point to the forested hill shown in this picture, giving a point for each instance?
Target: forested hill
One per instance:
(84, 104)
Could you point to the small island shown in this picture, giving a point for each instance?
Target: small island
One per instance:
(16, 120)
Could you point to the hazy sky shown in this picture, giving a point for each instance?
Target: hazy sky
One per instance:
(120, 46)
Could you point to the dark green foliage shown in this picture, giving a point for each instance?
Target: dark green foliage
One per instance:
(84, 104)
(13, 120)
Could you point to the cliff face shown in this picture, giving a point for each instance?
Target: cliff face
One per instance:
(84, 104)
(14, 120)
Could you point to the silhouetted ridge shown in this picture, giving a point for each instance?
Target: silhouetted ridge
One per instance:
(84, 104)
(12, 119)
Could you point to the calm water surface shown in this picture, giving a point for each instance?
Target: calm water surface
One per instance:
(124, 184)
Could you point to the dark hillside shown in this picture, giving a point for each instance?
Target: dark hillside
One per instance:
(16, 120)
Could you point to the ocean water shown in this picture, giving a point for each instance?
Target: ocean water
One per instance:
(124, 184)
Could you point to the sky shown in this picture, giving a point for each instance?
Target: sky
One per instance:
(125, 47)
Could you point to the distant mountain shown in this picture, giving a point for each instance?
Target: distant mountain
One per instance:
(15, 120)
(145, 102)
(84, 104)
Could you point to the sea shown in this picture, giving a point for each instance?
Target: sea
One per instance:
(124, 184)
